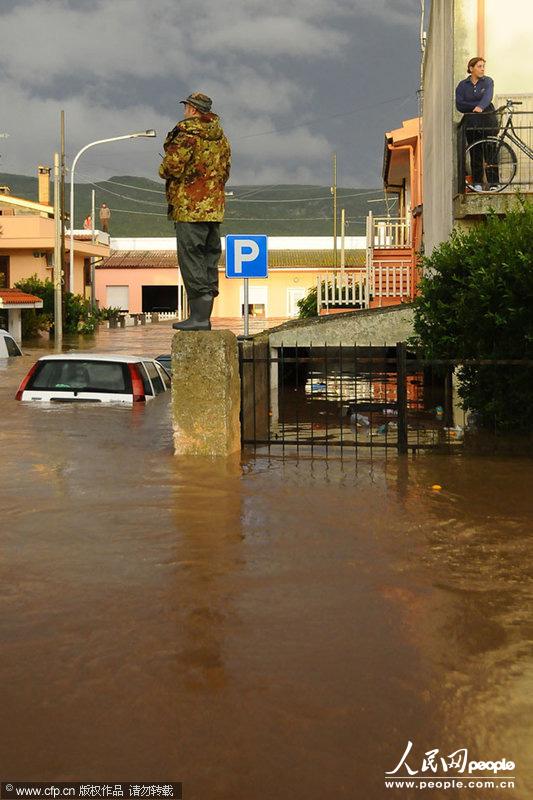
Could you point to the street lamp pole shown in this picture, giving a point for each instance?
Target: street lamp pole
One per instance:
(146, 134)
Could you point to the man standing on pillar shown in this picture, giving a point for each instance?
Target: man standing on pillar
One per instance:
(196, 167)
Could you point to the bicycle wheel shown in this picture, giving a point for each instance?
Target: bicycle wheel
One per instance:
(497, 161)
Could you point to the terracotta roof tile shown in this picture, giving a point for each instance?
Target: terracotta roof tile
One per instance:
(15, 296)
(278, 259)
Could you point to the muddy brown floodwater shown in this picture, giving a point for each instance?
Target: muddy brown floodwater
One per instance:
(261, 628)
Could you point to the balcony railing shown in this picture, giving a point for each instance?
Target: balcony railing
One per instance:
(390, 279)
(495, 152)
(388, 232)
(340, 289)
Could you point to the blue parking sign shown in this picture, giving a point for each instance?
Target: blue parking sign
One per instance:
(246, 256)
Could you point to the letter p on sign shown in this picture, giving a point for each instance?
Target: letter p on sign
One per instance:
(252, 251)
(246, 256)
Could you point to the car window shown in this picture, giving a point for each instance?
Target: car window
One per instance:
(12, 346)
(164, 375)
(82, 376)
(146, 380)
(155, 377)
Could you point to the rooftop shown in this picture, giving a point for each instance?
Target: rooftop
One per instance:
(14, 297)
(274, 243)
(277, 259)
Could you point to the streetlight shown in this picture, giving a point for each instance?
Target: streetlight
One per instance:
(146, 134)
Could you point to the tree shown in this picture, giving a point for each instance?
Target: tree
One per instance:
(307, 304)
(476, 302)
(80, 317)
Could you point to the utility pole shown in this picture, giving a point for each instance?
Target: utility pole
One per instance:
(62, 209)
(93, 240)
(334, 193)
(58, 310)
(343, 228)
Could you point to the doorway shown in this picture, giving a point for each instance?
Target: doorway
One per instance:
(4, 272)
(293, 295)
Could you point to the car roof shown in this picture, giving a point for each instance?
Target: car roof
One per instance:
(81, 356)
(5, 333)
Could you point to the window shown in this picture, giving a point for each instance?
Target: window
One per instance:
(82, 376)
(164, 375)
(155, 377)
(4, 272)
(12, 346)
(294, 294)
(146, 380)
(118, 297)
(257, 300)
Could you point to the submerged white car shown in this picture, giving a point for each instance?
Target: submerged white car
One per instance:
(94, 378)
(8, 346)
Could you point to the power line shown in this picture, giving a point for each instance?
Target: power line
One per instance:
(259, 190)
(322, 119)
(242, 219)
(229, 199)
(131, 186)
(277, 219)
(122, 196)
(144, 213)
(310, 199)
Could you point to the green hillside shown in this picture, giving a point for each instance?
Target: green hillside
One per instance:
(138, 206)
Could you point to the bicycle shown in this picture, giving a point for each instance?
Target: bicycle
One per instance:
(497, 156)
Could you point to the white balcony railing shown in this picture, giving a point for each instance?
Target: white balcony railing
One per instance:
(388, 232)
(342, 290)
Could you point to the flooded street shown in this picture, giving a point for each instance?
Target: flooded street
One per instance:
(258, 628)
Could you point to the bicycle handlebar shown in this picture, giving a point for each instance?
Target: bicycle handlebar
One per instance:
(508, 105)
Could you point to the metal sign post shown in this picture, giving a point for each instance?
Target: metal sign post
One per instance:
(246, 309)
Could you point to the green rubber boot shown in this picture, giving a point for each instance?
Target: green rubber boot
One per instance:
(199, 315)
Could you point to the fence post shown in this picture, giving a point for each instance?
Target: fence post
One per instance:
(255, 367)
(401, 395)
(448, 398)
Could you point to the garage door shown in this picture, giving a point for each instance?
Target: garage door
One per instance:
(160, 298)
(118, 297)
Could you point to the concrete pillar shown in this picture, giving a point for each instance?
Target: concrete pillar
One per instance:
(205, 393)
(15, 323)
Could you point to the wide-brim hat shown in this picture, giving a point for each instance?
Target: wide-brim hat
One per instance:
(199, 101)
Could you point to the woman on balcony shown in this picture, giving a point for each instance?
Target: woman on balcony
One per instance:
(473, 98)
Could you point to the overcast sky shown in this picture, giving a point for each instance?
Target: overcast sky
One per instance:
(327, 75)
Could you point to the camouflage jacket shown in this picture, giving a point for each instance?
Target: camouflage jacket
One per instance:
(196, 167)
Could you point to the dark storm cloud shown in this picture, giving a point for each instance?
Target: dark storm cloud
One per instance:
(121, 65)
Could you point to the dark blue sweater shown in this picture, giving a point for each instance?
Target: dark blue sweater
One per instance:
(468, 96)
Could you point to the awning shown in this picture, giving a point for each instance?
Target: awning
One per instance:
(14, 298)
